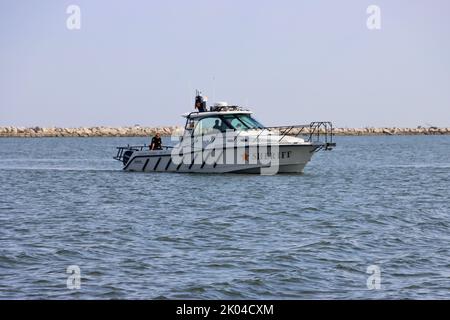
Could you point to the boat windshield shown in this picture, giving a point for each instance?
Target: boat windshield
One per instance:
(242, 122)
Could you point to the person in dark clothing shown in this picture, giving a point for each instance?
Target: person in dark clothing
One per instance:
(200, 103)
(156, 142)
(217, 125)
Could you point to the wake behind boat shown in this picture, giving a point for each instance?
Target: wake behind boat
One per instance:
(228, 139)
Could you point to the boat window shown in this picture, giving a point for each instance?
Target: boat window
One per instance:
(190, 124)
(250, 122)
(235, 123)
(242, 122)
(210, 125)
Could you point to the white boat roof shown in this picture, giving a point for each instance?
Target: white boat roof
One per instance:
(196, 114)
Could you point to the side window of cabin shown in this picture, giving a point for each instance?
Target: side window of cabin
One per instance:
(235, 123)
(209, 125)
(190, 125)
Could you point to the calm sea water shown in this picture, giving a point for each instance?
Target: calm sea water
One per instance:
(373, 201)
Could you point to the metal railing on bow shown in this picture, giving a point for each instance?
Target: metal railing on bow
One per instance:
(317, 132)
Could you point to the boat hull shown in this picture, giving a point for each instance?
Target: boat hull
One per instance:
(286, 159)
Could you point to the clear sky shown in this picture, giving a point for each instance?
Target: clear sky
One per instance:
(139, 62)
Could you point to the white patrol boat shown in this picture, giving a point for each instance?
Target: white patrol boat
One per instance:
(227, 139)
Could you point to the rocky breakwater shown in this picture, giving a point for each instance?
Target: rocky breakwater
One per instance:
(135, 131)
(138, 131)
(391, 131)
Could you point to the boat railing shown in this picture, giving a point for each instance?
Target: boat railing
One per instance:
(122, 150)
(317, 132)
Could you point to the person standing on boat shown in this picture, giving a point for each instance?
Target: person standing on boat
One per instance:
(156, 142)
(200, 103)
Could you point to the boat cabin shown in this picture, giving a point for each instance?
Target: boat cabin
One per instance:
(221, 117)
(233, 118)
